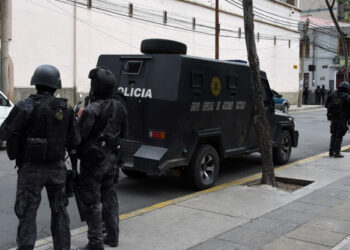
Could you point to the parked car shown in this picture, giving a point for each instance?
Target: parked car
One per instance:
(280, 102)
(5, 107)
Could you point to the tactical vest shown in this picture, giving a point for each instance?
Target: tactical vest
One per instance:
(104, 116)
(337, 110)
(47, 130)
(104, 136)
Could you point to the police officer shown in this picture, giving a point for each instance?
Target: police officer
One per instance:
(337, 105)
(98, 155)
(46, 126)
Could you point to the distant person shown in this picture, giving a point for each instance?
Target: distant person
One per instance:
(305, 94)
(338, 113)
(318, 95)
(323, 93)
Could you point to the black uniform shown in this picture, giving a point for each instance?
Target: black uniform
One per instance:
(305, 95)
(338, 113)
(323, 95)
(318, 95)
(99, 172)
(42, 127)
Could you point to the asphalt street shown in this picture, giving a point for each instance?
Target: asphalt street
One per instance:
(138, 193)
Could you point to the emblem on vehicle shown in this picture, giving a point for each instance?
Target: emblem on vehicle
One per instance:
(215, 86)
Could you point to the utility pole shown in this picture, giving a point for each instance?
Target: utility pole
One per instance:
(217, 29)
(4, 46)
(314, 36)
(301, 76)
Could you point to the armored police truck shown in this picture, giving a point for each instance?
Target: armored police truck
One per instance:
(189, 112)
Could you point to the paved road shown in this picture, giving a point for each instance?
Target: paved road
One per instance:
(135, 194)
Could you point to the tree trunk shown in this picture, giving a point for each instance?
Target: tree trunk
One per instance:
(342, 37)
(261, 123)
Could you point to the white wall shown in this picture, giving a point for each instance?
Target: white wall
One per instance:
(43, 33)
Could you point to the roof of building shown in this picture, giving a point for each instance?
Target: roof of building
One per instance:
(316, 21)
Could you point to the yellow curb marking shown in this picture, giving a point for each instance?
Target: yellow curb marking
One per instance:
(145, 210)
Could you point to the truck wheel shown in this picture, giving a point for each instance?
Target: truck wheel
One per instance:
(162, 46)
(133, 173)
(281, 153)
(204, 167)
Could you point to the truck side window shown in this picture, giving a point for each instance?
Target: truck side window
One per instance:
(3, 101)
(266, 93)
(132, 67)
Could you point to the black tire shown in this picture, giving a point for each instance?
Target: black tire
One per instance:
(283, 149)
(134, 173)
(204, 167)
(162, 46)
(285, 108)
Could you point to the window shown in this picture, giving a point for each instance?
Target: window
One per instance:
(197, 79)
(133, 67)
(340, 46)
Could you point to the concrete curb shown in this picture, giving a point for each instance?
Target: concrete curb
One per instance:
(294, 108)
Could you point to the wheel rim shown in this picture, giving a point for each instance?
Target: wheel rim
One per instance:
(207, 169)
(285, 147)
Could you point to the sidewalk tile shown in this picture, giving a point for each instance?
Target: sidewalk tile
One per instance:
(315, 235)
(337, 213)
(305, 207)
(248, 237)
(291, 216)
(217, 244)
(330, 224)
(239, 201)
(276, 227)
(320, 200)
(173, 227)
(292, 244)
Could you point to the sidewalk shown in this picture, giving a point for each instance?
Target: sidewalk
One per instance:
(295, 108)
(232, 216)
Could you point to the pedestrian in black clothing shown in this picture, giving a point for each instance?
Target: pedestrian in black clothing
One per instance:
(338, 113)
(101, 125)
(42, 127)
(323, 93)
(318, 95)
(305, 94)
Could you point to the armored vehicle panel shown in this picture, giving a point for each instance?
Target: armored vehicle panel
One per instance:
(182, 108)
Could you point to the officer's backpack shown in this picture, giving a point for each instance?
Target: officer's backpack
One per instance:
(335, 108)
(96, 150)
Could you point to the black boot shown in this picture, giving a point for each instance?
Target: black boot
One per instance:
(110, 242)
(338, 155)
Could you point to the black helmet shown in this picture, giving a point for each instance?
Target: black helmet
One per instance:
(102, 82)
(47, 75)
(344, 86)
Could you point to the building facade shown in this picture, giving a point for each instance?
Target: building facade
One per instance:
(324, 52)
(72, 34)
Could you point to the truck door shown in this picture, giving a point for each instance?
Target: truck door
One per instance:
(133, 85)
